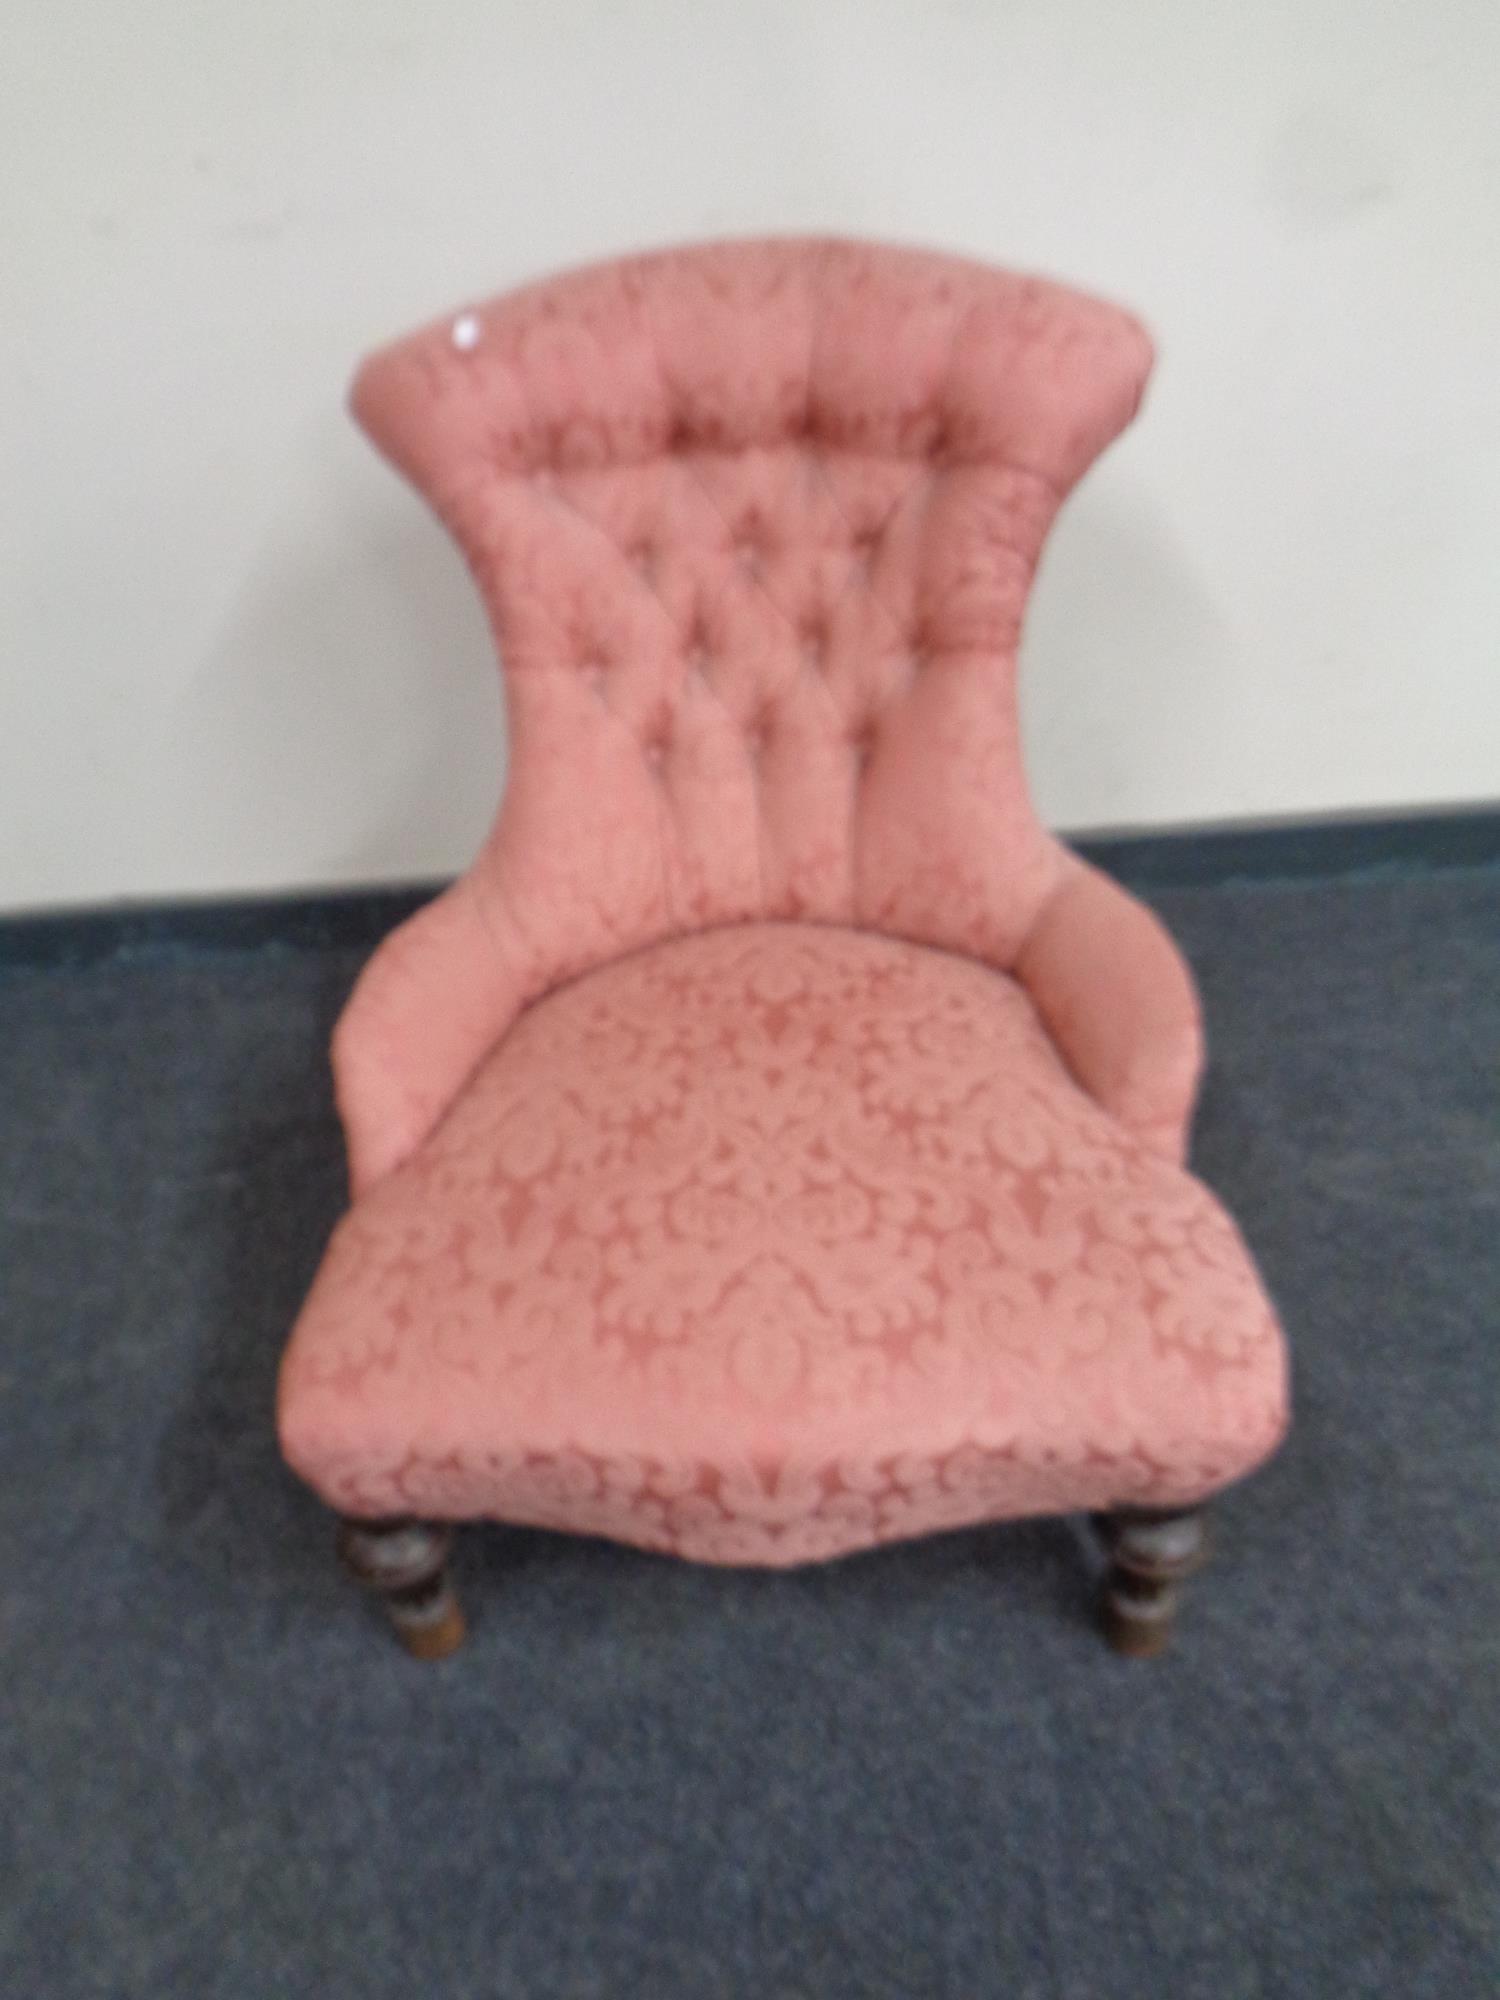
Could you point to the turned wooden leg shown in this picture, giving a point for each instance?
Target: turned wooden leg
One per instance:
(405, 1563)
(1150, 1551)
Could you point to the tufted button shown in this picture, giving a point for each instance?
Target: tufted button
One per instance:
(641, 555)
(592, 674)
(865, 544)
(749, 547)
(697, 643)
(923, 639)
(812, 635)
(656, 735)
(509, 448)
(679, 434)
(862, 744)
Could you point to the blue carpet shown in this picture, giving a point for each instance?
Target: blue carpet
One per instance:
(914, 1774)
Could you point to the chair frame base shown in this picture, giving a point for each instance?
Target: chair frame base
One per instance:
(1150, 1551)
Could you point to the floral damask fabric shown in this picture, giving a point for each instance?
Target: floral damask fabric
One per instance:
(773, 1242)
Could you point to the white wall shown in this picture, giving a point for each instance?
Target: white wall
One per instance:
(235, 654)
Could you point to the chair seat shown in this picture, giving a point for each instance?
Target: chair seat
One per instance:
(774, 1242)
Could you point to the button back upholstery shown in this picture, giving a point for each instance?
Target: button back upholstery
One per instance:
(772, 1144)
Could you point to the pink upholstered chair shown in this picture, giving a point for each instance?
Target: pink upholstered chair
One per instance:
(773, 1145)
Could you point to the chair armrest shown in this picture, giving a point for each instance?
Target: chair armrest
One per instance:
(1118, 1000)
(426, 1010)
